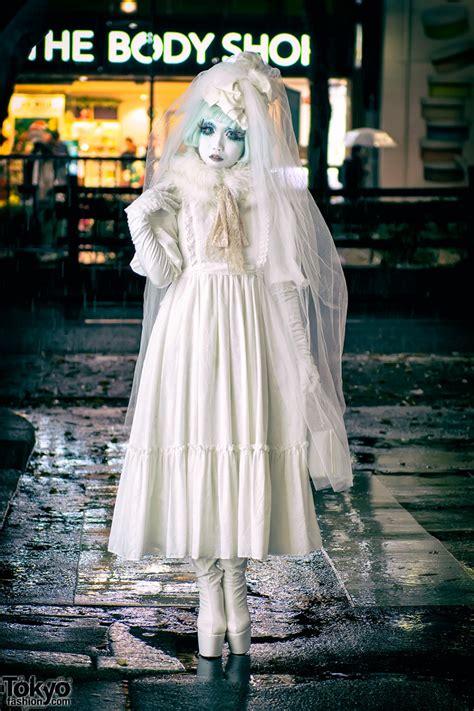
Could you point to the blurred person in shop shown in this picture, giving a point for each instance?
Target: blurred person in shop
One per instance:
(33, 141)
(42, 178)
(59, 148)
(130, 152)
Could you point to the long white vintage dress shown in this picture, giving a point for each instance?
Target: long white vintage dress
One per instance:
(216, 461)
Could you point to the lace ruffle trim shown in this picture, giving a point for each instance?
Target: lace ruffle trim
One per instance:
(264, 240)
(219, 448)
(188, 227)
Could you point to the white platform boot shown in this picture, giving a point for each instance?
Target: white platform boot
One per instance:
(211, 623)
(235, 601)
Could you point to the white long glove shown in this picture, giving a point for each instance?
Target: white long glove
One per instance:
(286, 294)
(158, 253)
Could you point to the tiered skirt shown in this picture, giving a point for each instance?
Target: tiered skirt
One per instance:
(216, 464)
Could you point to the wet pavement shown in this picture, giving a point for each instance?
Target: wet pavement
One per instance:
(379, 619)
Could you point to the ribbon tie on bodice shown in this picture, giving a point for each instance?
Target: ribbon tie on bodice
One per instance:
(227, 237)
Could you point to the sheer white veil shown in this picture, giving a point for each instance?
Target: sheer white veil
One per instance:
(300, 249)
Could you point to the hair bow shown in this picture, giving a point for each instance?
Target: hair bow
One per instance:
(229, 98)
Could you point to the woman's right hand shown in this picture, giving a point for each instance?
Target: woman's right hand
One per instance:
(152, 200)
(155, 242)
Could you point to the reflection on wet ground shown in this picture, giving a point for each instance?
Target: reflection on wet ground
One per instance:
(379, 619)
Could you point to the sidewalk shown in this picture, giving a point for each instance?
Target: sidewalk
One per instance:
(377, 620)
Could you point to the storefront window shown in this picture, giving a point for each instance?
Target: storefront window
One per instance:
(107, 121)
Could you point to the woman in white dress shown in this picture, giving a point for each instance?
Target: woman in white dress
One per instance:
(237, 394)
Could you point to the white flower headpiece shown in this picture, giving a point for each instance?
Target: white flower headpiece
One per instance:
(228, 96)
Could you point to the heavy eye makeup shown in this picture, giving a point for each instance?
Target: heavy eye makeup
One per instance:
(207, 128)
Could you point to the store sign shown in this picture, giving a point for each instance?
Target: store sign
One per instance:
(22, 105)
(78, 47)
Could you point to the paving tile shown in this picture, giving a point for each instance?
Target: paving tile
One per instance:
(135, 655)
(53, 634)
(36, 660)
(286, 691)
(103, 695)
(362, 540)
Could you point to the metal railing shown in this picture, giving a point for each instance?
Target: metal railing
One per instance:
(76, 204)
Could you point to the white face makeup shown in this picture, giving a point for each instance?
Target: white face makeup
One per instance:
(220, 145)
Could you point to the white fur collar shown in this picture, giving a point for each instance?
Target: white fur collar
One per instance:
(199, 181)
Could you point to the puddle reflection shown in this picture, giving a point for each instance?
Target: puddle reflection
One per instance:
(230, 680)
